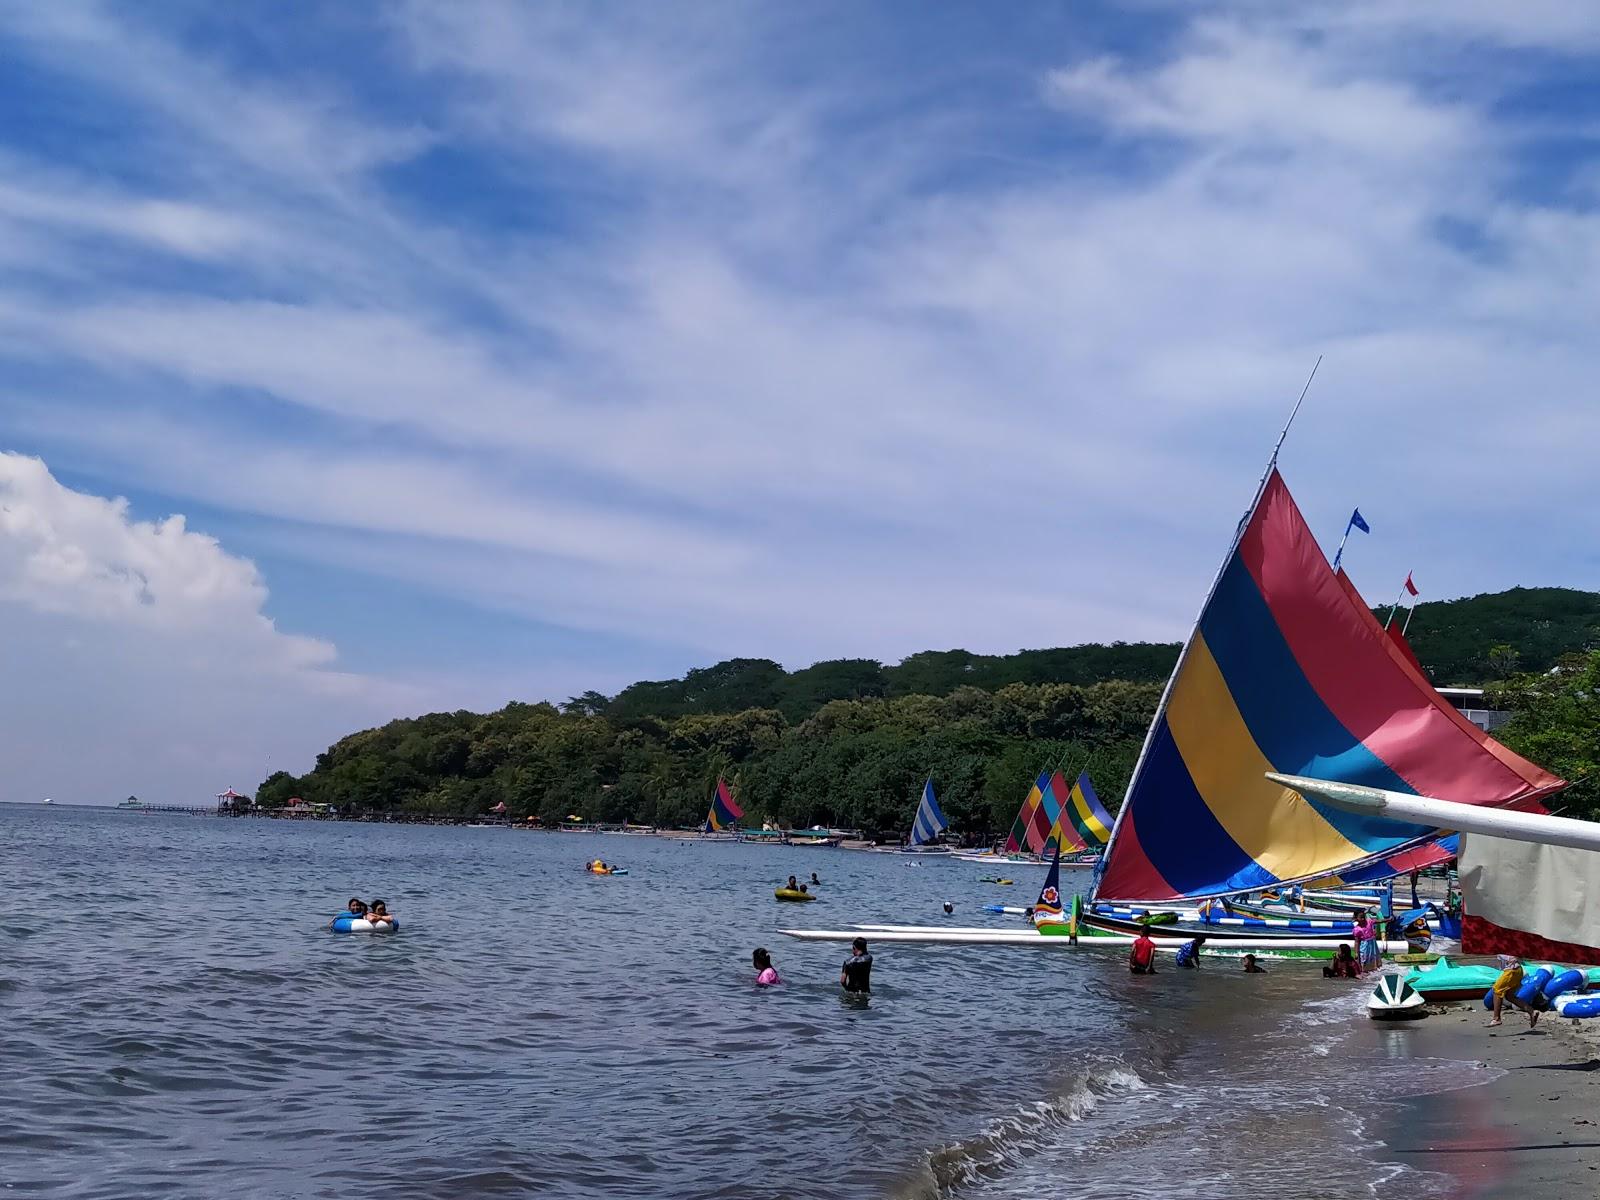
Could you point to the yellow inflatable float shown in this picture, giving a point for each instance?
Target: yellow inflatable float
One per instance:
(793, 894)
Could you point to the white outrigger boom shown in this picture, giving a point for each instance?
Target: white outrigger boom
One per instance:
(1448, 814)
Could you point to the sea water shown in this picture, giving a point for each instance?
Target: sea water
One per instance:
(178, 1022)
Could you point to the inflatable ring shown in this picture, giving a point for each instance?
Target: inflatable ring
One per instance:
(350, 923)
(793, 894)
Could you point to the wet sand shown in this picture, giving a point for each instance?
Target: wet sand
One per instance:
(1532, 1124)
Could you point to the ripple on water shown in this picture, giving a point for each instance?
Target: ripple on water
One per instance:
(592, 1038)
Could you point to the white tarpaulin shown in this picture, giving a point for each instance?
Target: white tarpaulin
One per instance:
(1529, 899)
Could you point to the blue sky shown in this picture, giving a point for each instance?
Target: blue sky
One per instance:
(496, 351)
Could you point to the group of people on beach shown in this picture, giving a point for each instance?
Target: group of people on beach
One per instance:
(854, 976)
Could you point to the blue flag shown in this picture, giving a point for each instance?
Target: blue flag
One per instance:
(1357, 521)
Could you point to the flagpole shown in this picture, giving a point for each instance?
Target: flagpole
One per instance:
(1183, 654)
(1396, 606)
(1410, 612)
(1339, 553)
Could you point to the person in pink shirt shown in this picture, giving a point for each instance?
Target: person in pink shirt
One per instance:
(1365, 931)
(766, 973)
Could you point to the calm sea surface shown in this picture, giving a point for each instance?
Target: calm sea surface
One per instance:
(177, 1023)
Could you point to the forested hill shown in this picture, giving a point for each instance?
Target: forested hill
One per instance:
(1479, 639)
(848, 742)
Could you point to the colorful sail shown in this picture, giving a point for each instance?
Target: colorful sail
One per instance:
(929, 822)
(1285, 672)
(1021, 836)
(1050, 812)
(724, 811)
(1084, 823)
(1047, 908)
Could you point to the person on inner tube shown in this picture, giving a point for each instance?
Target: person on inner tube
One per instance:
(357, 908)
(378, 914)
(792, 885)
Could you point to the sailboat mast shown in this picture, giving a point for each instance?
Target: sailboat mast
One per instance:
(1183, 654)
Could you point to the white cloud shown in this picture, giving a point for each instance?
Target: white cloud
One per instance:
(139, 654)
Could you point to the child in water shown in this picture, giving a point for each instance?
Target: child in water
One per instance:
(766, 973)
(1344, 966)
(1251, 967)
(378, 914)
(1189, 953)
(856, 974)
(357, 907)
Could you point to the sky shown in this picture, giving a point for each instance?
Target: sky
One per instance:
(358, 361)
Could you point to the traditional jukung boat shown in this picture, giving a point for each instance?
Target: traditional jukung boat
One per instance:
(1288, 671)
(724, 813)
(926, 827)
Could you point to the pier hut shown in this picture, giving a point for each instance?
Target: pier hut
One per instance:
(232, 803)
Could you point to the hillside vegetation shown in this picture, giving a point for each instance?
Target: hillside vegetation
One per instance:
(848, 742)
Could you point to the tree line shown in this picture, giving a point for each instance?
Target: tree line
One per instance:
(855, 764)
(848, 742)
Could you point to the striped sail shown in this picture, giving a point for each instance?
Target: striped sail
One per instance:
(1030, 830)
(1021, 836)
(1285, 671)
(724, 811)
(1084, 823)
(929, 822)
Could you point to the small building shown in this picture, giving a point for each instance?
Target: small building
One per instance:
(231, 801)
(1472, 704)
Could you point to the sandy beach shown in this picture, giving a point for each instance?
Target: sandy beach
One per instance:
(1532, 1124)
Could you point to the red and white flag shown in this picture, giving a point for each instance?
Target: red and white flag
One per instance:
(1410, 587)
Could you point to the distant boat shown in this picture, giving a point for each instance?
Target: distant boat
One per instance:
(47, 800)
(928, 824)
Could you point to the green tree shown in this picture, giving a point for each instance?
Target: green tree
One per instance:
(1556, 723)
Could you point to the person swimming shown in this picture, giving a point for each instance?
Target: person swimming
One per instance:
(815, 882)
(766, 973)
(378, 914)
(1251, 967)
(357, 907)
(856, 974)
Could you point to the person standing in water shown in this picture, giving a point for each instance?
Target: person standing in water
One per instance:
(856, 974)
(766, 973)
(1365, 932)
(1142, 958)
